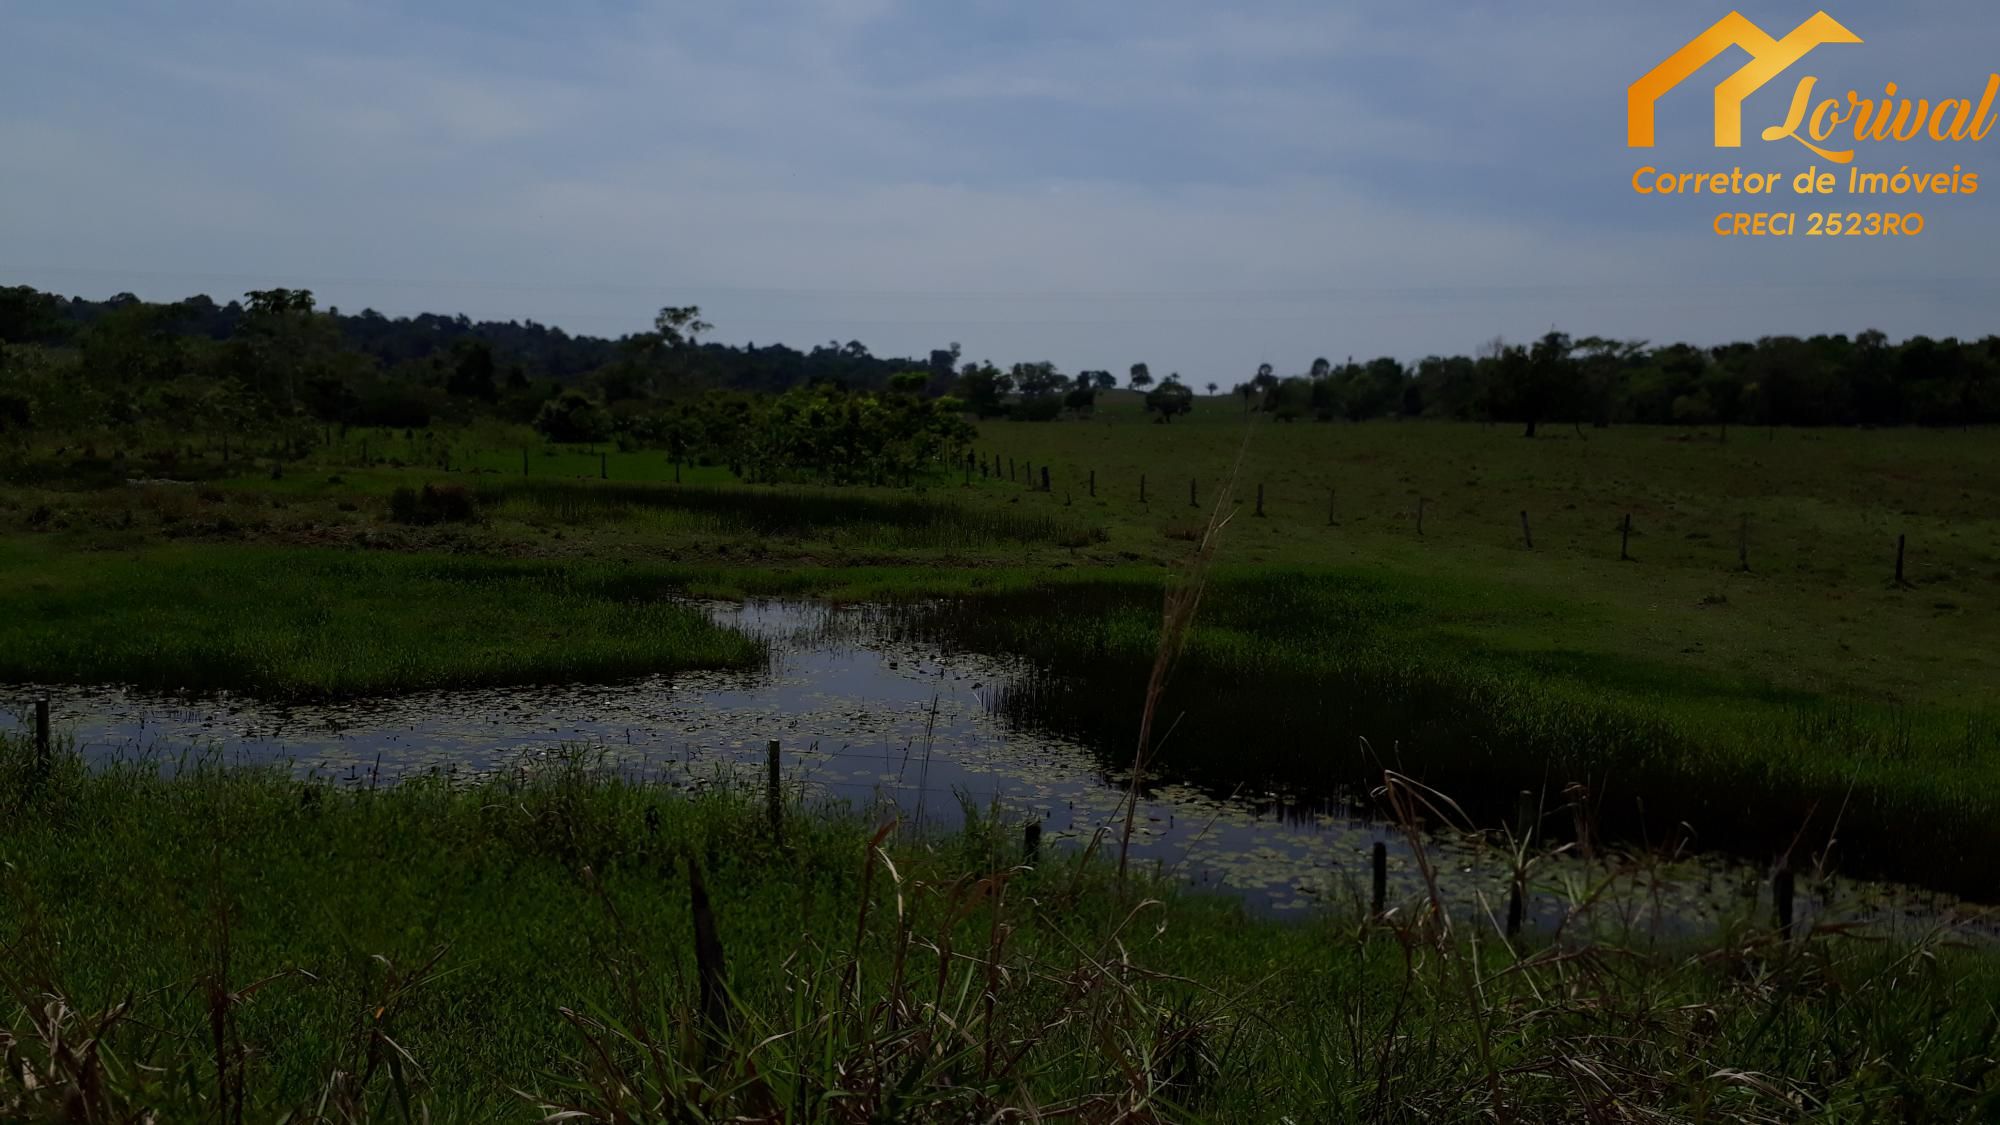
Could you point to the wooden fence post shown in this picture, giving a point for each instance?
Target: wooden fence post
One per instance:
(1625, 540)
(1045, 478)
(773, 794)
(43, 756)
(1010, 468)
(1381, 880)
(1526, 536)
(1093, 484)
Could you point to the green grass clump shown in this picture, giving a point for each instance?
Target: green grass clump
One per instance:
(1287, 672)
(534, 942)
(1460, 682)
(858, 520)
(327, 623)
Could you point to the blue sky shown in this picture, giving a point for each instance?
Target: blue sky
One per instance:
(1201, 186)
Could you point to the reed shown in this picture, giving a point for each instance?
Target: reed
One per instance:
(521, 947)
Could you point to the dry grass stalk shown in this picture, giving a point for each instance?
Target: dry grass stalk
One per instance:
(1183, 599)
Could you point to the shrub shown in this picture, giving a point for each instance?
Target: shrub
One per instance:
(449, 503)
(1044, 409)
(573, 417)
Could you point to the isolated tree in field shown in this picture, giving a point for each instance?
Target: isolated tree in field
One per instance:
(1211, 388)
(1139, 378)
(1082, 398)
(1168, 399)
(1321, 368)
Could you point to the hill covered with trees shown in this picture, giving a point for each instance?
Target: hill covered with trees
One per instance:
(275, 361)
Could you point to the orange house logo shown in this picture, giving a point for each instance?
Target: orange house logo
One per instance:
(1768, 58)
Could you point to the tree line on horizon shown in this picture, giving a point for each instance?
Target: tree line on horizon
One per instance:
(276, 357)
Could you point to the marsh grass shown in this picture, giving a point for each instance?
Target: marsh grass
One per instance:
(278, 622)
(885, 521)
(1286, 672)
(1283, 673)
(235, 944)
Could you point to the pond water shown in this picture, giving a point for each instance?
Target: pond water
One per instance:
(869, 715)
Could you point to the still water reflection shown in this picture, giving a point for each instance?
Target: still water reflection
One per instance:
(867, 716)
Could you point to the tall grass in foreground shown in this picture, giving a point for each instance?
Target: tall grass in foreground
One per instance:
(844, 518)
(559, 943)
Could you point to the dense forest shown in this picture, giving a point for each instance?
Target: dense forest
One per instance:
(275, 360)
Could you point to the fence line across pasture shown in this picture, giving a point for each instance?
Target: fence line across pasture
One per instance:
(579, 456)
